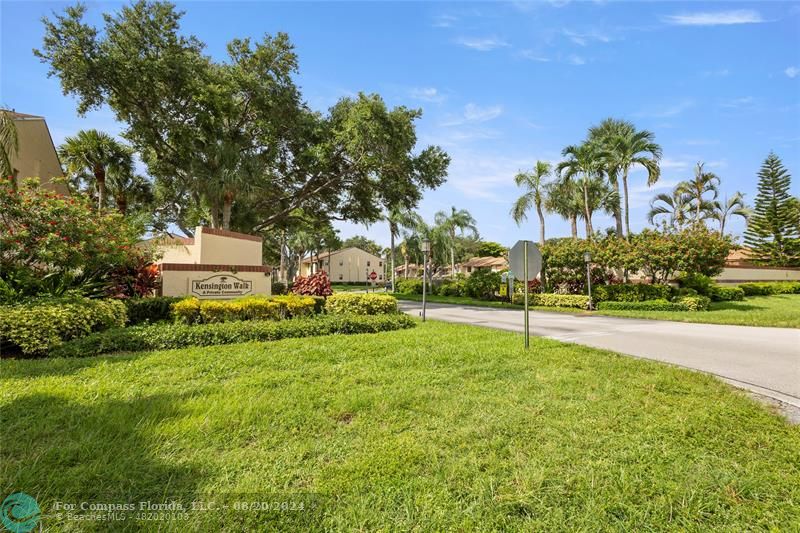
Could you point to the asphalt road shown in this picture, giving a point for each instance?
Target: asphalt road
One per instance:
(763, 360)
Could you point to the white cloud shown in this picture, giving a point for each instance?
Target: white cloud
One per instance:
(792, 72)
(576, 60)
(670, 111)
(533, 55)
(582, 39)
(715, 18)
(427, 94)
(677, 164)
(482, 44)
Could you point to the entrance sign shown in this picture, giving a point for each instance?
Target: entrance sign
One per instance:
(525, 260)
(221, 285)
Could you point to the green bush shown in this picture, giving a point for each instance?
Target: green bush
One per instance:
(38, 326)
(578, 301)
(768, 288)
(167, 336)
(647, 305)
(142, 310)
(409, 286)
(695, 303)
(361, 304)
(279, 287)
(721, 293)
(630, 292)
(196, 311)
(482, 284)
(452, 287)
(699, 282)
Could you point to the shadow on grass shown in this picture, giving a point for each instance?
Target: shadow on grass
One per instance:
(12, 368)
(101, 451)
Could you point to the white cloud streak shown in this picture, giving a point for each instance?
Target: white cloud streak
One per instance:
(482, 44)
(715, 18)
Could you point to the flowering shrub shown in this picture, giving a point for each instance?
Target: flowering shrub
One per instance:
(196, 311)
(361, 304)
(316, 284)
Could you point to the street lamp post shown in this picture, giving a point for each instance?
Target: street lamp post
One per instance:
(426, 249)
(587, 258)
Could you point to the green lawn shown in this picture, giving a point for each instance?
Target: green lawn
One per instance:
(441, 427)
(780, 311)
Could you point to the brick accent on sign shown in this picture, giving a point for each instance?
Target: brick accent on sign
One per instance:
(232, 234)
(189, 267)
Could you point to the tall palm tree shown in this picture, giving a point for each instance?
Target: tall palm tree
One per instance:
(626, 147)
(605, 134)
(565, 198)
(457, 221)
(697, 188)
(602, 197)
(9, 143)
(399, 218)
(583, 160)
(674, 208)
(534, 195)
(730, 207)
(90, 155)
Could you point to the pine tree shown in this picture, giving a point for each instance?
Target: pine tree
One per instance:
(773, 233)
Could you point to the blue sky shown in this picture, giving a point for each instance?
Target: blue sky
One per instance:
(505, 84)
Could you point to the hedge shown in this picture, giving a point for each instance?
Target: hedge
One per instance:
(578, 301)
(687, 303)
(409, 286)
(38, 326)
(630, 292)
(155, 309)
(195, 311)
(768, 288)
(721, 293)
(361, 304)
(695, 303)
(168, 336)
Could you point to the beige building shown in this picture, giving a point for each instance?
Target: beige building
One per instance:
(36, 156)
(348, 265)
(214, 264)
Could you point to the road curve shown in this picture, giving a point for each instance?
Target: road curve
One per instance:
(763, 360)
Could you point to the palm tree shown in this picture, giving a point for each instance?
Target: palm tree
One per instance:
(457, 221)
(565, 198)
(602, 197)
(624, 148)
(675, 207)
(723, 211)
(583, 160)
(9, 143)
(534, 195)
(90, 155)
(701, 184)
(399, 218)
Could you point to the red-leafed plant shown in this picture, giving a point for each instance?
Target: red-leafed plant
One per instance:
(317, 284)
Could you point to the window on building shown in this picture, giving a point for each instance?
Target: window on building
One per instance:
(367, 263)
(341, 277)
(380, 276)
(341, 263)
(380, 263)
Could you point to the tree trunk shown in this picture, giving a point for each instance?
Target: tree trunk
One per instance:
(452, 253)
(627, 208)
(122, 205)
(586, 212)
(216, 221)
(391, 251)
(722, 226)
(100, 178)
(618, 212)
(573, 222)
(405, 270)
(227, 204)
(541, 224)
(282, 272)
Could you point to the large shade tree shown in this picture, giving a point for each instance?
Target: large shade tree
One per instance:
(236, 135)
(534, 185)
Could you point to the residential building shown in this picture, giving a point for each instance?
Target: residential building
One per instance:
(36, 156)
(348, 265)
(214, 264)
(495, 264)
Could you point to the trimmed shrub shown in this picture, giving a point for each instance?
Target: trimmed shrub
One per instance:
(38, 326)
(195, 311)
(768, 288)
(721, 293)
(702, 284)
(630, 292)
(647, 305)
(695, 303)
(482, 284)
(317, 284)
(168, 336)
(409, 286)
(361, 304)
(578, 301)
(143, 310)
(279, 287)
(452, 287)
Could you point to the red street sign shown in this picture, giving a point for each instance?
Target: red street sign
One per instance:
(373, 276)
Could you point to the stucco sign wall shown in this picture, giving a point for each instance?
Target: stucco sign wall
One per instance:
(221, 285)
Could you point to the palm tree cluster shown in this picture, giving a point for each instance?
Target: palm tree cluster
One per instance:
(588, 179)
(694, 201)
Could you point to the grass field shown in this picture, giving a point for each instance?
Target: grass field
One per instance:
(443, 427)
(780, 311)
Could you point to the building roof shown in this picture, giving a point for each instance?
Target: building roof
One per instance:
(488, 261)
(323, 255)
(739, 257)
(21, 116)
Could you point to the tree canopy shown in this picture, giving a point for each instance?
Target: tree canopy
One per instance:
(232, 143)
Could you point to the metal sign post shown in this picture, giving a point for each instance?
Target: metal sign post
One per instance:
(525, 259)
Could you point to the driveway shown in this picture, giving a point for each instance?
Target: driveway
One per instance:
(763, 360)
